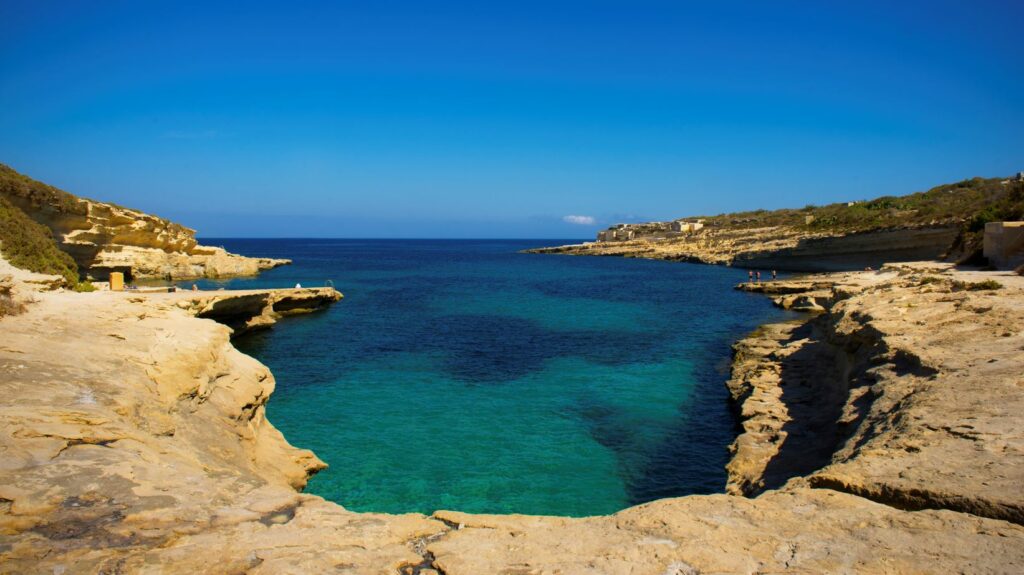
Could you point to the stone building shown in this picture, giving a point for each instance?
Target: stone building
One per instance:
(1004, 244)
(619, 233)
(683, 226)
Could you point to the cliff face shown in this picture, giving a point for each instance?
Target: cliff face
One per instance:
(945, 221)
(104, 237)
(907, 391)
(135, 441)
(781, 247)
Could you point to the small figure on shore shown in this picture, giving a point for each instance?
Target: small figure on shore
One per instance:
(758, 277)
(298, 286)
(195, 287)
(774, 275)
(750, 276)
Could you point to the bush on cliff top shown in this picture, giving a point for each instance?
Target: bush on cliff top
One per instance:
(969, 203)
(13, 184)
(29, 245)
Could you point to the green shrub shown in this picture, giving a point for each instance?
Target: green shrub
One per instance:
(13, 184)
(969, 204)
(30, 245)
(977, 286)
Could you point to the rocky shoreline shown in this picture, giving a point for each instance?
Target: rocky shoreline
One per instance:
(907, 392)
(881, 434)
(102, 237)
(780, 247)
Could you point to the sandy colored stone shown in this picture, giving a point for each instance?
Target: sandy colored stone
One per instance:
(779, 247)
(908, 391)
(798, 531)
(134, 440)
(103, 237)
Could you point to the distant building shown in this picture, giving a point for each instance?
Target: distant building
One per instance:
(1004, 244)
(621, 232)
(683, 226)
(1020, 176)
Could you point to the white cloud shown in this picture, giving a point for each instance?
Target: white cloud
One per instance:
(580, 220)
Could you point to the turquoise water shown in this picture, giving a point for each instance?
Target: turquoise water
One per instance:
(464, 375)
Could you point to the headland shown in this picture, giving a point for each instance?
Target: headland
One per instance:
(881, 434)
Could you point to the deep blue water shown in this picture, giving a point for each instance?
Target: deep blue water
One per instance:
(460, 374)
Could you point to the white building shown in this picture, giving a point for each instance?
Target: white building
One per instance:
(683, 226)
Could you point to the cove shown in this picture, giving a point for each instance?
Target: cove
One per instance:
(461, 374)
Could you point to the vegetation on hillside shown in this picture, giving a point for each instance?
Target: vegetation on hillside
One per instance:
(13, 184)
(30, 245)
(970, 204)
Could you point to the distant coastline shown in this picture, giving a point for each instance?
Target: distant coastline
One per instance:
(944, 223)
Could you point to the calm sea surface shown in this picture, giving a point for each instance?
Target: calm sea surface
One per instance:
(464, 375)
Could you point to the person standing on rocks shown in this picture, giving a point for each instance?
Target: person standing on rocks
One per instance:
(774, 275)
(750, 276)
(758, 277)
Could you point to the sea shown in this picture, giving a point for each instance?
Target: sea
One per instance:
(466, 375)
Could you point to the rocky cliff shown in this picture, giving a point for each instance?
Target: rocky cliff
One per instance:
(944, 222)
(907, 392)
(135, 441)
(105, 237)
(781, 247)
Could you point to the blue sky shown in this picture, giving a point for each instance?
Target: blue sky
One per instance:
(499, 119)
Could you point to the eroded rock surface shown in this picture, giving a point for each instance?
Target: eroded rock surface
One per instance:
(104, 237)
(247, 310)
(134, 440)
(796, 531)
(908, 391)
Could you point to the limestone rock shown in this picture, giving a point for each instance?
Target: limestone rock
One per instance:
(781, 247)
(135, 440)
(907, 392)
(797, 531)
(104, 237)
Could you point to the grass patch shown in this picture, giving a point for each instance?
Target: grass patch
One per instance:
(977, 286)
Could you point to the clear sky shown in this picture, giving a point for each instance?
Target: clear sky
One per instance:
(500, 119)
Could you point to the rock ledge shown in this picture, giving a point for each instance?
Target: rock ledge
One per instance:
(135, 440)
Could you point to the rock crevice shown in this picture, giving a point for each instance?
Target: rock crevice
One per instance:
(903, 392)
